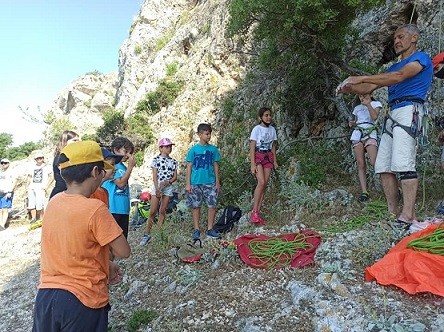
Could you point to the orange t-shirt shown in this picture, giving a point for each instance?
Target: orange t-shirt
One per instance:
(74, 248)
(101, 194)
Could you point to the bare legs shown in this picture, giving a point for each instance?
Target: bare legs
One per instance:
(262, 177)
(409, 189)
(359, 151)
(4, 217)
(154, 207)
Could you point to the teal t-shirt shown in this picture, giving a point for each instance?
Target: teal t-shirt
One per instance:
(119, 199)
(202, 158)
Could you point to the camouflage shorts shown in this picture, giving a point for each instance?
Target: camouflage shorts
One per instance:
(202, 192)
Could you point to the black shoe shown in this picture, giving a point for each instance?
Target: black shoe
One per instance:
(363, 197)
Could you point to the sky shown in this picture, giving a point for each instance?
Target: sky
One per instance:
(46, 44)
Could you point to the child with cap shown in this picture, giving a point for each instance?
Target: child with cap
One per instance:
(39, 180)
(78, 236)
(111, 159)
(117, 187)
(164, 174)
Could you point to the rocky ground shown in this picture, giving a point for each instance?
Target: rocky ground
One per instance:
(220, 293)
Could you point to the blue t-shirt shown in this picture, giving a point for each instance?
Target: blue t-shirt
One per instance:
(416, 86)
(202, 158)
(119, 199)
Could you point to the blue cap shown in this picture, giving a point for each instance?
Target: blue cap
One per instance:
(108, 154)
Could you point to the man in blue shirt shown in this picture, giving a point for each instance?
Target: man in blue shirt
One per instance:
(408, 82)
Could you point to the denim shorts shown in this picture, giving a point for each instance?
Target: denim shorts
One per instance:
(201, 192)
(166, 191)
(6, 203)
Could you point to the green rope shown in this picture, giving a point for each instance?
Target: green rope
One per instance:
(276, 252)
(374, 211)
(432, 243)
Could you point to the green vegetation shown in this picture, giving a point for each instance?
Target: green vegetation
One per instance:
(56, 127)
(135, 128)
(171, 69)
(16, 153)
(300, 39)
(140, 318)
(235, 178)
(163, 40)
(164, 95)
(138, 49)
(113, 126)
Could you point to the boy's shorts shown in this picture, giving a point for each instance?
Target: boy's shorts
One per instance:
(264, 158)
(36, 199)
(56, 308)
(5, 203)
(166, 191)
(200, 192)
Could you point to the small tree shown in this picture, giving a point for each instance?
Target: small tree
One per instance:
(113, 126)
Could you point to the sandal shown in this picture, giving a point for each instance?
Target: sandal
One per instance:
(363, 197)
(403, 224)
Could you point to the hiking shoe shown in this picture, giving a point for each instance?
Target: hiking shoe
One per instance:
(195, 235)
(33, 220)
(256, 219)
(363, 197)
(213, 234)
(145, 240)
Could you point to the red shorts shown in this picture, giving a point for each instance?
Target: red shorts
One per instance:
(264, 158)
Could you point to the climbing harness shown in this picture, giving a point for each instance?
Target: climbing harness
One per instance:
(414, 129)
(366, 131)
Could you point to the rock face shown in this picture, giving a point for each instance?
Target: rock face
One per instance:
(83, 102)
(185, 42)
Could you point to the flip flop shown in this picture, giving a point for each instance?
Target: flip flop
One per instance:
(403, 224)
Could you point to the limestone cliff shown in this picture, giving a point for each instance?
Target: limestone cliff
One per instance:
(189, 35)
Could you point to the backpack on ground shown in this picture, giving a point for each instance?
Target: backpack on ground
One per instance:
(225, 223)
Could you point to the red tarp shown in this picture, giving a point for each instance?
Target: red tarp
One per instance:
(413, 271)
(300, 258)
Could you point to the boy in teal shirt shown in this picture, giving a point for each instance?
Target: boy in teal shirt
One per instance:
(202, 180)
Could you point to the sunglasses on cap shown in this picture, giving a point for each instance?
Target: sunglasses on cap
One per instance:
(4, 163)
(39, 158)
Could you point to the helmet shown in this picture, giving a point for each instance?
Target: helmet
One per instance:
(145, 196)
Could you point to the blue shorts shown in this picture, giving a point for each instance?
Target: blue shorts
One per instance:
(200, 192)
(6, 203)
(55, 309)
